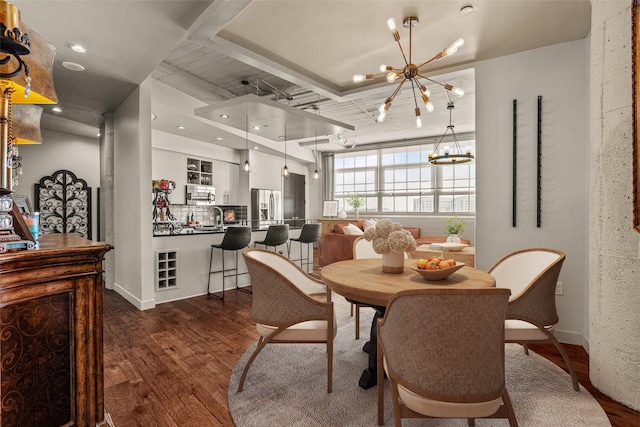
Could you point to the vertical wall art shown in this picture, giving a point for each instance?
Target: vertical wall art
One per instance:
(539, 168)
(515, 160)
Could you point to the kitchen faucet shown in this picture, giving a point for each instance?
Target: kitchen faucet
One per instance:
(219, 222)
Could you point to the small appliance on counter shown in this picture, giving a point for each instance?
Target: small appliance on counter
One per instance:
(200, 195)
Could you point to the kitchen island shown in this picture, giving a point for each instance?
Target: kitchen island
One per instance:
(181, 262)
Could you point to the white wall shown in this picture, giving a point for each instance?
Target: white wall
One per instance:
(132, 187)
(614, 250)
(559, 74)
(61, 151)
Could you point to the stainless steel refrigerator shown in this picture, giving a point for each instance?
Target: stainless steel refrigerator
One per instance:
(266, 208)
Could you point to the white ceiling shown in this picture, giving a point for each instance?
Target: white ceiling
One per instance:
(301, 54)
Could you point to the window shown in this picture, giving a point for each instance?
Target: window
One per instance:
(401, 180)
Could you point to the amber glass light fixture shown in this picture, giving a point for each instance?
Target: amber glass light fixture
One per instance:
(450, 155)
(410, 72)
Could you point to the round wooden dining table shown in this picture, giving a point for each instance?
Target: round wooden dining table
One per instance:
(362, 281)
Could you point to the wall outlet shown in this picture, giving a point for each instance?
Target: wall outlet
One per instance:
(559, 290)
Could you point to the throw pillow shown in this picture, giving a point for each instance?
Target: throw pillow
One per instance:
(369, 223)
(339, 228)
(352, 229)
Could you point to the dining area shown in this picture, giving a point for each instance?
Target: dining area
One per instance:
(440, 343)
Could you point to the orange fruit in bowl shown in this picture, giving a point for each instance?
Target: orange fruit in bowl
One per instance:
(421, 263)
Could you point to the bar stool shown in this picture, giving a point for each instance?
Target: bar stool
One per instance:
(309, 234)
(235, 239)
(276, 235)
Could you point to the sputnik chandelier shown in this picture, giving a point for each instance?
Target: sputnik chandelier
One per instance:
(410, 72)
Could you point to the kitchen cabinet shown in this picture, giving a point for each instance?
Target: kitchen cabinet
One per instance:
(225, 179)
(199, 171)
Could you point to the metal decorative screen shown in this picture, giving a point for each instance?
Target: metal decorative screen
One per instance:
(64, 203)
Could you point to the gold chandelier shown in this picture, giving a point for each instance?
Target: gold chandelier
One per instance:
(410, 72)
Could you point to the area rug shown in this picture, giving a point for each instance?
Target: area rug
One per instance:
(286, 386)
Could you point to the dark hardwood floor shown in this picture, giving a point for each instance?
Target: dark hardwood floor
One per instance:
(170, 366)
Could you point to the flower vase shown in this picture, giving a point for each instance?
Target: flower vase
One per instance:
(357, 214)
(453, 238)
(393, 262)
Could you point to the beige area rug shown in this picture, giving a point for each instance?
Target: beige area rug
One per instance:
(286, 386)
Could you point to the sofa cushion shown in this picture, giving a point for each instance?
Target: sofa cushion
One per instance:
(339, 228)
(352, 230)
(369, 223)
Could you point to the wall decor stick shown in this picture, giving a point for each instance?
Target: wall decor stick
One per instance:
(539, 195)
(515, 160)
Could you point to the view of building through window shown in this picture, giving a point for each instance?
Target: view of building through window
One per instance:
(401, 180)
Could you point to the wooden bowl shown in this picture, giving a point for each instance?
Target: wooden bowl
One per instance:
(437, 274)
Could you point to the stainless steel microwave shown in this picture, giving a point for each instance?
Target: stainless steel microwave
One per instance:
(200, 195)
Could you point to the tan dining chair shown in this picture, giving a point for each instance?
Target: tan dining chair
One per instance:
(532, 275)
(443, 353)
(289, 306)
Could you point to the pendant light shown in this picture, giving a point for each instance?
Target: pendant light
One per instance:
(285, 170)
(316, 175)
(247, 165)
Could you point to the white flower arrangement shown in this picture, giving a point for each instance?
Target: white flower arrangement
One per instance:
(388, 236)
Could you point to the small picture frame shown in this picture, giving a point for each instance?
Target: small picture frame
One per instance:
(330, 208)
(22, 203)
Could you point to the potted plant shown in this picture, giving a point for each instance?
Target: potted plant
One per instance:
(356, 202)
(391, 241)
(454, 229)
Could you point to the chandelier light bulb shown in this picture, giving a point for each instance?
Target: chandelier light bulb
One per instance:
(446, 150)
(247, 166)
(418, 119)
(391, 77)
(391, 23)
(385, 67)
(454, 47)
(381, 116)
(316, 175)
(357, 78)
(285, 171)
(424, 90)
(457, 91)
(382, 107)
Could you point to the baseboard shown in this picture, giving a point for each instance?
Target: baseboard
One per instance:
(571, 338)
(136, 302)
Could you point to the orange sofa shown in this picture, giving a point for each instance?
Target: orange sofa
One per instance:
(337, 246)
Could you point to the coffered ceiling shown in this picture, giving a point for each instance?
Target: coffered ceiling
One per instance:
(300, 54)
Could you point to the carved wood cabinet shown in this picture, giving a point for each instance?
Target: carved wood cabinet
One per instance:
(51, 360)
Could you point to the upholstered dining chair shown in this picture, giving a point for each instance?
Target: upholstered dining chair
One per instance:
(289, 306)
(532, 274)
(443, 352)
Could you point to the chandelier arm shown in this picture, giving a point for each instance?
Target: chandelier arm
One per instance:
(402, 51)
(395, 92)
(413, 87)
(432, 81)
(436, 57)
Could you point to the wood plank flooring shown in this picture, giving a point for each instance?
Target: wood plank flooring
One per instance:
(170, 366)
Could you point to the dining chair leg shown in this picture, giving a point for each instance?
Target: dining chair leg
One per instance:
(357, 308)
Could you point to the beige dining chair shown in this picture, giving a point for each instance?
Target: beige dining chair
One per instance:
(532, 275)
(289, 306)
(442, 350)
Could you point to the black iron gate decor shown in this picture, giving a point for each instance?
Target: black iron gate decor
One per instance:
(64, 203)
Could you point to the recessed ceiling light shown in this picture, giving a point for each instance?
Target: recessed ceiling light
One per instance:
(181, 127)
(57, 109)
(466, 9)
(219, 138)
(98, 134)
(78, 48)
(224, 116)
(256, 148)
(256, 128)
(72, 66)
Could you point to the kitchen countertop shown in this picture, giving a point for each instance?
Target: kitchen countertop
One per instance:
(189, 230)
